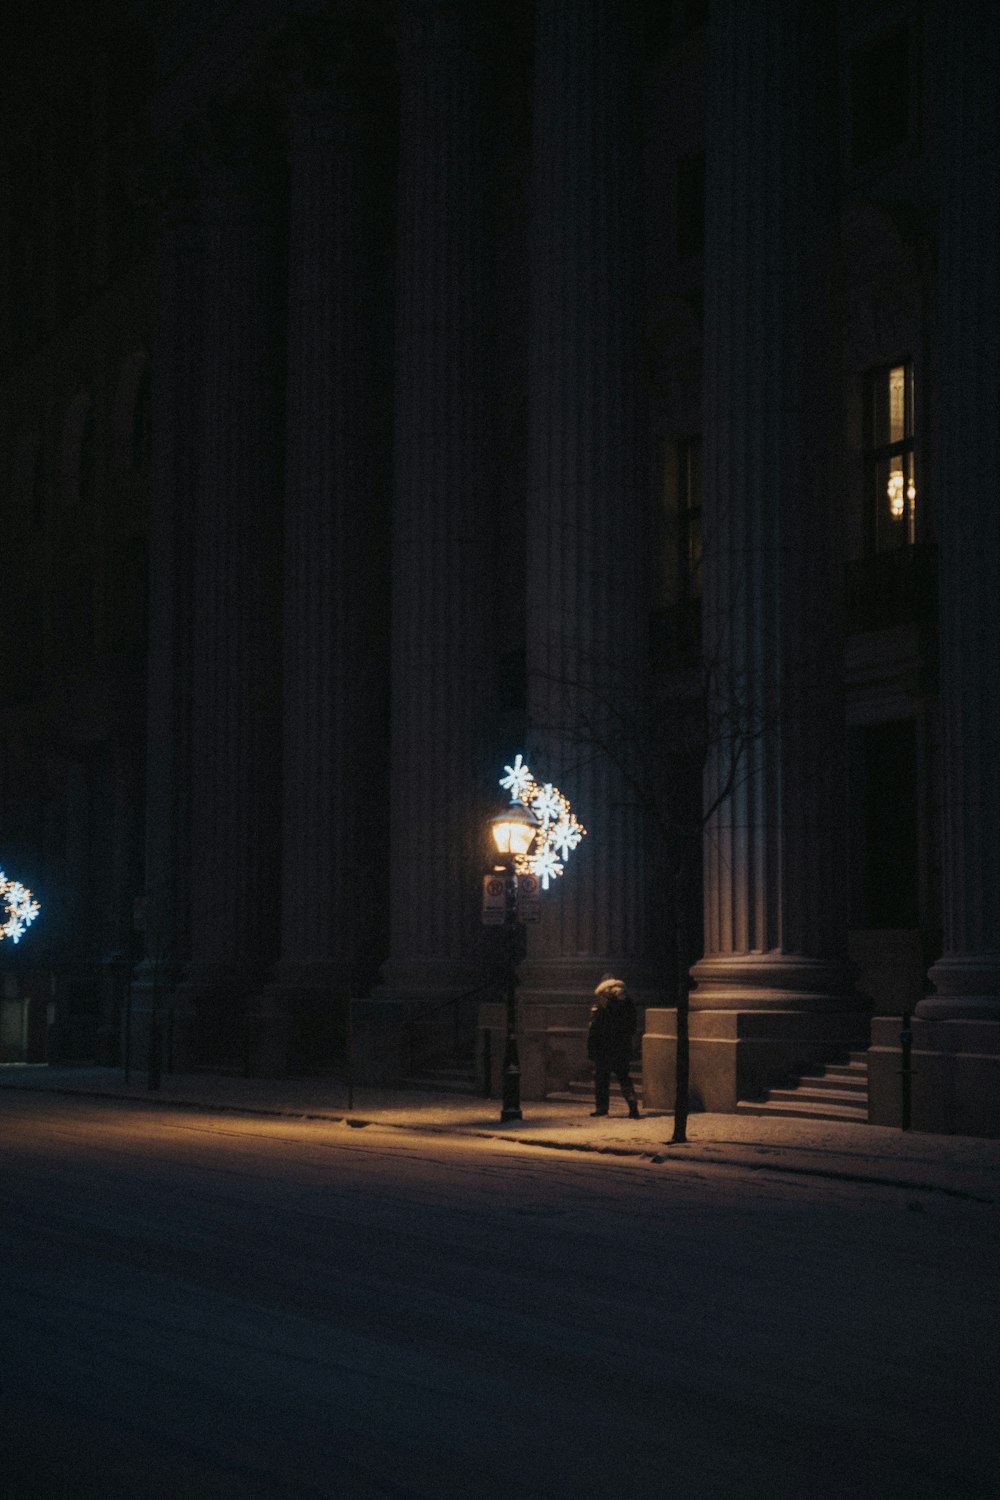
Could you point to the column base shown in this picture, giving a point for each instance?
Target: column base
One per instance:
(738, 1054)
(968, 989)
(955, 1084)
(773, 982)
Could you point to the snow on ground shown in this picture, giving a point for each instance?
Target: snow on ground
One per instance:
(205, 1304)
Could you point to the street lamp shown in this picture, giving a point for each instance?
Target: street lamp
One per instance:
(513, 833)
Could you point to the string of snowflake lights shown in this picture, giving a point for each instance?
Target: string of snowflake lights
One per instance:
(20, 909)
(559, 832)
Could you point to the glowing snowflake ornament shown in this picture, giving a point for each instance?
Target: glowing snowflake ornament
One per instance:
(547, 803)
(20, 908)
(559, 833)
(518, 780)
(566, 834)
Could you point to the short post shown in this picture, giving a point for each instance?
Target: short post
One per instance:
(906, 1070)
(155, 1058)
(350, 1054)
(155, 1048)
(487, 1060)
(128, 1032)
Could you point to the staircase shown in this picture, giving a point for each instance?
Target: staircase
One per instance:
(837, 1092)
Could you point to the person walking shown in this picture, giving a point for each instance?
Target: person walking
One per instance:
(609, 1043)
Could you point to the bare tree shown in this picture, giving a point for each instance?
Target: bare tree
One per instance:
(661, 769)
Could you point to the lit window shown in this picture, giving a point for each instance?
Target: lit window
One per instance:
(889, 458)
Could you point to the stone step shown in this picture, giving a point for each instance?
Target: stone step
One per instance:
(804, 1110)
(853, 1083)
(838, 1091)
(807, 1092)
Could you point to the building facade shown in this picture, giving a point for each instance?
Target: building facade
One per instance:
(394, 385)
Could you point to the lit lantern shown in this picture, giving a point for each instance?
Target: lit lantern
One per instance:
(514, 829)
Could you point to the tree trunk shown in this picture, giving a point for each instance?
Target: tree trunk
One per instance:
(683, 1067)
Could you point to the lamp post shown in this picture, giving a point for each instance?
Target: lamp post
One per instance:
(513, 833)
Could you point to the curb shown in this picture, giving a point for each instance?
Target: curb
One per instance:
(657, 1155)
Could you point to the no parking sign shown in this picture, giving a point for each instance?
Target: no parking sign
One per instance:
(529, 903)
(494, 900)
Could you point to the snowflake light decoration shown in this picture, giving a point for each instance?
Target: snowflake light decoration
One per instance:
(558, 834)
(20, 909)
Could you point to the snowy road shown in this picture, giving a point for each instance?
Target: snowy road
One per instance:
(198, 1305)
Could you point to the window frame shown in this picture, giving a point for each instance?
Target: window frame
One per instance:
(878, 454)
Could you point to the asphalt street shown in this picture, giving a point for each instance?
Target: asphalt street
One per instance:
(199, 1305)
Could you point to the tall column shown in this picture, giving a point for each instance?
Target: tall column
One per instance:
(235, 724)
(445, 493)
(336, 540)
(176, 421)
(587, 497)
(967, 976)
(775, 873)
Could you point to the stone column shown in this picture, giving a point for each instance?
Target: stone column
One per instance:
(445, 493)
(958, 1036)
(335, 763)
(773, 988)
(176, 395)
(967, 976)
(587, 499)
(177, 408)
(235, 715)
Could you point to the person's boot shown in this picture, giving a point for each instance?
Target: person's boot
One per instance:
(633, 1109)
(594, 1112)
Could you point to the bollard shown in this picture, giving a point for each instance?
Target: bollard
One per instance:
(906, 1071)
(155, 1060)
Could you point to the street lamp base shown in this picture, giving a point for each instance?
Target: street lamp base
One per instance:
(510, 1099)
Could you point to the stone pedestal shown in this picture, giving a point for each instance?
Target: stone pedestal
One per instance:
(587, 502)
(955, 1084)
(737, 1054)
(775, 857)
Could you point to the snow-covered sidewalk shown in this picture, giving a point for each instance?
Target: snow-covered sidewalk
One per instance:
(959, 1165)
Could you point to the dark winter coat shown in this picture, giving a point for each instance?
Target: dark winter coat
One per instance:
(612, 1023)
